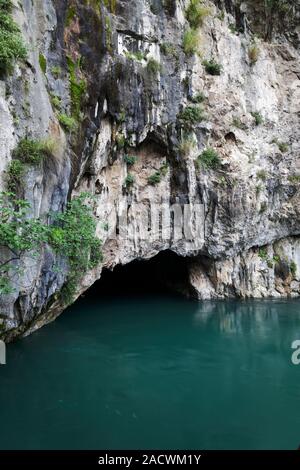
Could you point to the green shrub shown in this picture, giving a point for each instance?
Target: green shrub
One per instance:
(263, 253)
(236, 122)
(68, 122)
(15, 173)
(56, 71)
(78, 88)
(199, 97)
(153, 66)
(262, 175)
(12, 47)
(71, 234)
(192, 114)
(30, 151)
(129, 181)
(190, 41)
(130, 159)
(56, 101)
(253, 54)
(120, 141)
(139, 55)
(293, 268)
(186, 145)
(168, 49)
(283, 147)
(294, 178)
(209, 159)
(155, 178)
(257, 118)
(212, 67)
(196, 12)
(43, 63)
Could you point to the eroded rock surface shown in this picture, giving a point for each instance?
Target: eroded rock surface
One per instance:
(139, 81)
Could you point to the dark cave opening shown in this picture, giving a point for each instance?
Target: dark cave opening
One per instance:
(165, 273)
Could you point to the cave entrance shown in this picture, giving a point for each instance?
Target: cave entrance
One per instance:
(165, 273)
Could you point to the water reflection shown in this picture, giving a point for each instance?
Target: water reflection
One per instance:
(247, 317)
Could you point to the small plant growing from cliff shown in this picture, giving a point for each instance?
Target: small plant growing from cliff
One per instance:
(30, 151)
(153, 66)
(129, 181)
(258, 119)
(262, 175)
(283, 147)
(198, 97)
(130, 160)
(236, 122)
(78, 88)
(212, 67)
(209, 158)
(155, 178)
(263, 253)
(12, 47)
(56, 71)
(192, 114)
(196, 12)
(169, 49)
(293, 268)
(15, 173)
(43, 62)
(295, 179)
(191, 41)
(253, 54)
(186, 145)
(68, 122)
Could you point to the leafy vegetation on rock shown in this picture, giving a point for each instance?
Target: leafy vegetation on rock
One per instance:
(12, 47)
(210, 159)
(212, 67)
(71, 234)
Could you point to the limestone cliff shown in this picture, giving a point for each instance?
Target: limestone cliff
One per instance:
(150, 104)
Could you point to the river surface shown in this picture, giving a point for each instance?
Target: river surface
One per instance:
(155, 371)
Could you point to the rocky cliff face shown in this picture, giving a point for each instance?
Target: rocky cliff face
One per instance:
(150, 108)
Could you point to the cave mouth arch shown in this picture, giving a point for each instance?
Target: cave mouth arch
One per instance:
(165, 273)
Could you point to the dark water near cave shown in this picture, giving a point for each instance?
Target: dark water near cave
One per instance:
(155, 372)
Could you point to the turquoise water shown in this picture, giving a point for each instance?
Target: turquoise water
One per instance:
(155, 372)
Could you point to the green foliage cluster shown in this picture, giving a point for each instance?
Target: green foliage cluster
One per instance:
(192, 115)
(168, 49)
(158, 175)
(210, 159)
(293, 268)
(139, 55)
(257, 118)
(196, 12)
(78, 88)
(27, 152)
(130, 159)
(68, 122)
(71, 234)
(198, 97)
(262, 175)
(30, 151)
(212, 67)
(12, 47)
(190, 41)
(153, 66)
(263, 253)
(129, 181)
(43, 62)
